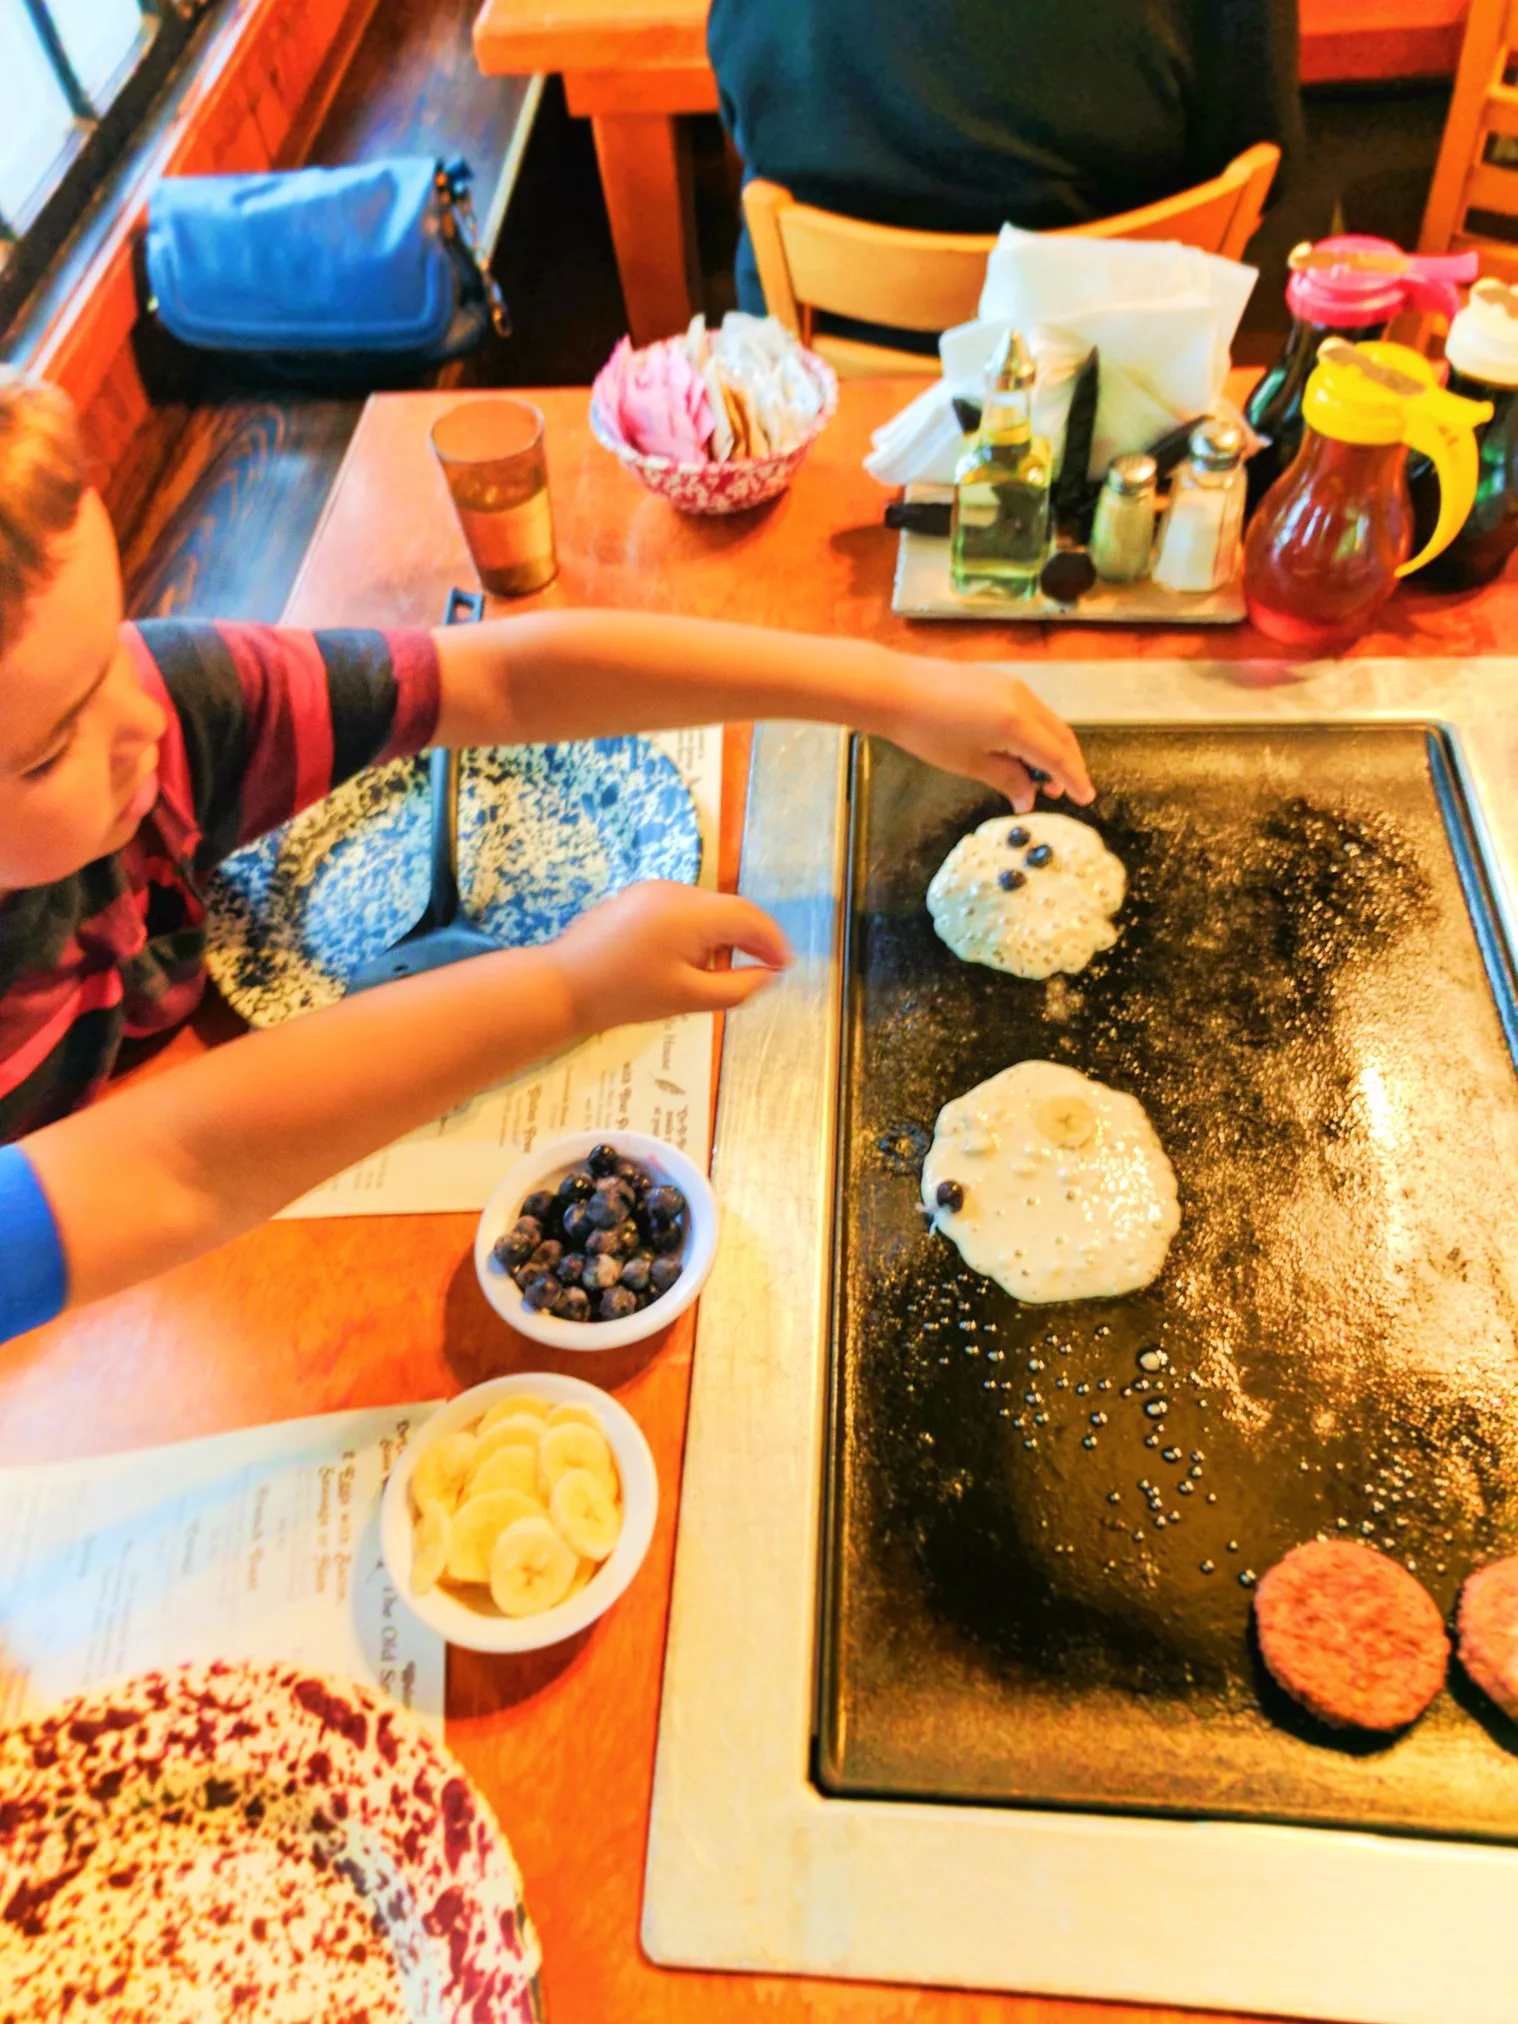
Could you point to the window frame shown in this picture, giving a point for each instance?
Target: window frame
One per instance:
(101, 133)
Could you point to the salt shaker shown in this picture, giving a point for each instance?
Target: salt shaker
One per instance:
(1199, 544)
(1122, 535)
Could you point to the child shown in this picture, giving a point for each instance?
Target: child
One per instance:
(134, 758)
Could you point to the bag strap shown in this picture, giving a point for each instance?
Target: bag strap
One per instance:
(459, 222)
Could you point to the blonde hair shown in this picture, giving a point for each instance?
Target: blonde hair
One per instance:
(42, 481)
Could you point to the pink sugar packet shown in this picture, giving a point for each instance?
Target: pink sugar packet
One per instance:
(659, 401)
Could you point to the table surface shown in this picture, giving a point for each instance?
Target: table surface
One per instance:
(569, 35)
(303, 1317)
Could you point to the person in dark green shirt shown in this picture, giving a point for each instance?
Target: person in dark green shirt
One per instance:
(963, 115)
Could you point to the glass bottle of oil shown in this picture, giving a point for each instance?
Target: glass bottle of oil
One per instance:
(1001, 486)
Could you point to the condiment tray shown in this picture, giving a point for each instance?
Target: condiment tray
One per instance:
(923, 590)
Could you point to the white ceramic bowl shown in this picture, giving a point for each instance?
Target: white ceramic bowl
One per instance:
(545, 1167)
(485, 1629)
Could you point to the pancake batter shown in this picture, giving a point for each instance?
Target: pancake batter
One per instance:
(1053, 1185)
(1029, 894)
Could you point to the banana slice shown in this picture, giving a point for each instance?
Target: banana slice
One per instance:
(478, 1524)
(513, 1403)
(570, 1445)
(1068, 1120)
(584, 1514)
(508, 1468)
(574, 1415)
(585, 1573)
(520, 1431)
(441, 1468)
(429, 1547)
(530, 1568)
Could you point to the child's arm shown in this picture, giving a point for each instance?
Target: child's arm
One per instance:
(584, 674)
(179, 1163)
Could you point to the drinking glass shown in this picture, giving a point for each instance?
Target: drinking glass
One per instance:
(492, 456)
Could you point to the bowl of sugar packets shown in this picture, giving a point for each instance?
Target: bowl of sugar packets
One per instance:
(714, 421)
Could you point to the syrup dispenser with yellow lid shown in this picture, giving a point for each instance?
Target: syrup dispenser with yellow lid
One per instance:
(1334, 533)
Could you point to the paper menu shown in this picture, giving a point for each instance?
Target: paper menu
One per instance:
(655, 1079)
(262, 1544)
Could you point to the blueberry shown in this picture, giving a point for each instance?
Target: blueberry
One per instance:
(617, 1303)
(663, 1273)
(540, 1204)
(636, 1177)
(665, 1237)
(542, 1292)
(1010, 880)
(665, 1203)
(1039, 855)
(600, 1273)
(570, 1268)
(603, 1160)
(517, 1245)
(576, 1186)
(577, 1225)
(547, 1255)
(524, 1274)
(572, 1305)
(637, 1272)
(1035, 773)
(610, 1243)
(1017, 836)
(609, 1205)
(951, 1196)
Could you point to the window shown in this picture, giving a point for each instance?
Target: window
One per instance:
(76, 78)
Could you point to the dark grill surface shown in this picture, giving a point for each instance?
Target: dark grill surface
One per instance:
(1299, 1000)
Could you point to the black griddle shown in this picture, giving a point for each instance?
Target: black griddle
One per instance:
(1044, 1522)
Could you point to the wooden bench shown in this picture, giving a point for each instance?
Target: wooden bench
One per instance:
(245, 467)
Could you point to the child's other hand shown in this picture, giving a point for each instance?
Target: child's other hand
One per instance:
(980, 720)
(647, 953)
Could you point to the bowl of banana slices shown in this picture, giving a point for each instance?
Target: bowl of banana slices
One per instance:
(520, 1512)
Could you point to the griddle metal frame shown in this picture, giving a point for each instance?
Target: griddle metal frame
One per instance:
(749, 1865)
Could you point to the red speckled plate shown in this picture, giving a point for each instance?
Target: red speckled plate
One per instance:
(252, 1842)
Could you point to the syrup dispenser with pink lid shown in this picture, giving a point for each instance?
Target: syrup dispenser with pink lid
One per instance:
(1349, 286)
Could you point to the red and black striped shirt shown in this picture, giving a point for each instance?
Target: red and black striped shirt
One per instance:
(262, 721)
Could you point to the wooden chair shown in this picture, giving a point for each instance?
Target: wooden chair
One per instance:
(1477, 168)
(812, 260)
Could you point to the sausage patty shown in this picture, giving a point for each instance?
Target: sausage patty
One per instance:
(1488, 1627)
(1351, 1635)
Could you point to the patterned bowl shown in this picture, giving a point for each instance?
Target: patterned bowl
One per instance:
(715, 488)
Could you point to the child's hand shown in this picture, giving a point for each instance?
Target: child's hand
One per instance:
(647, 953)
(970, 718)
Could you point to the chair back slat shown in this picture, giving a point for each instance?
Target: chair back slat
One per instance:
(1477, 169)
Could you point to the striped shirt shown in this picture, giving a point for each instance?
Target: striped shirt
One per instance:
(262, 721)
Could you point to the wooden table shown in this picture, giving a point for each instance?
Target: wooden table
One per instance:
(634, 67)
(302, 1317)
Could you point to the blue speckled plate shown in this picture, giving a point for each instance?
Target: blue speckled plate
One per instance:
(544, 832)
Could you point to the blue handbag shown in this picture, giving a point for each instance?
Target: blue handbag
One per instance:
(324, 269)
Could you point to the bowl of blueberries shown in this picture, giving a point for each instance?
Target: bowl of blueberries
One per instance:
(593, 1241)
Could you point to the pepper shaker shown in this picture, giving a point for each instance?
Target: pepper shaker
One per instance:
(1122, 537)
